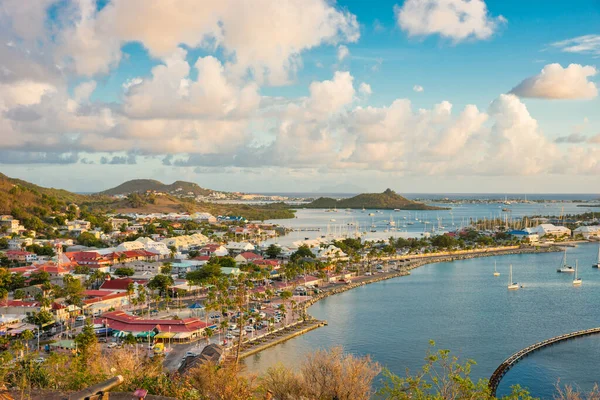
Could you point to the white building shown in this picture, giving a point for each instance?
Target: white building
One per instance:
(239, 247)
(155, 247)
(186, 242)
(592, 231)
(328, 252)
(549, 230)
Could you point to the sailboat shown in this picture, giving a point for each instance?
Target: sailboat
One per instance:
(496, 273)
(391, 223)
(565, 267)
(597, 265)
(511, 285)
(576, 281)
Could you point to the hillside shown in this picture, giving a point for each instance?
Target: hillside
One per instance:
(387, 200)
(34, 205)
(145, 185)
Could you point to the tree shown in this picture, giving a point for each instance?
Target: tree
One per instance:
(302, 252)
(124, 271)
(40, 318)
(161, 283)
(285, 296)
(166, 268)
(130, 291)
(37, 278)
(325, 374)
(442, 377)
(19, 294)
(227, 262)
(88, 239)
(273, 251)
(129, 339)
(82, 269)
(204, 274)
(86, 341)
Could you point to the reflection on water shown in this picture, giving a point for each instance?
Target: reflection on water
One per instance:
(463, 307)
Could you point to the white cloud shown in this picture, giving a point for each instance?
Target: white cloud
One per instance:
(249, 33)
(342, 52)
(170, 93)
(131, 82)
(83, 91)
(418, 88)
(587, 44)
(556, 82)
(365, 89)
(329, 97)
(454, 19)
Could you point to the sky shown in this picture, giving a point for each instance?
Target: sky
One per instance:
(302, 95)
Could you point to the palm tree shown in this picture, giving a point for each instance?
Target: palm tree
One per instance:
(208, 333)
(285, 296)
(130, 291)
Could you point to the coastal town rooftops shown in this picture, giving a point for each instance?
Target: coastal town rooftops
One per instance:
(120, 284)
(124, 322)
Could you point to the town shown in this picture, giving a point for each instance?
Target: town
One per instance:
(179, 284)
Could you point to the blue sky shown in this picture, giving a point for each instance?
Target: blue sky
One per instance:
(273, 108)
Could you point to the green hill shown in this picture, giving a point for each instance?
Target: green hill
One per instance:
(389, 200)
(145, 185)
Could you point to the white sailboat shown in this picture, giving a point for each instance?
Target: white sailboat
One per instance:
(597, 265)
(496, 273)
(564, 266)
(511, 285)
(576, 281)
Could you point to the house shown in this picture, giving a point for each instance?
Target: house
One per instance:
(211, 354)
(116, 223)
(161, 249)
(96, 305)
(19, 243)
(213, 250)
(175, 330)
(54, 270)
(21, 256)
(186, 242)
(239, 247)
(120, 285)
(128, 246)
(247, 257)
(588, 232)
(525, 235)
(330, 251)
(549, 230)
(20, 307)
(12, 225)
(139, 267)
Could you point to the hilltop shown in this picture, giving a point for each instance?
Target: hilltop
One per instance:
(146, 185)
(387, 200)
(35, 205)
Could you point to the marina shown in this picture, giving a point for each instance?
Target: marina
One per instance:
(463, 307)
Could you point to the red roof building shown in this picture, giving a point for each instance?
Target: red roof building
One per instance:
(187, 328)
(120, 284)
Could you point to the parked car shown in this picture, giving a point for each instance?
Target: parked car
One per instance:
(112, 345)
(249, 328)
(229, 336)
(80, 318)
(232, 327)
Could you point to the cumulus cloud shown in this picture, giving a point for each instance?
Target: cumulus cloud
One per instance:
(556, 82)
(342, 52)
(365, 89)
(171, 93)
(587, 44)
(457, 20)
(418, 88)
(270, 53)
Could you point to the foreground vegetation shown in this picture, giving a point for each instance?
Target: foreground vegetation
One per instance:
(323, 375)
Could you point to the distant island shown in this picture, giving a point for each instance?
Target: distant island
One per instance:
(388, 200)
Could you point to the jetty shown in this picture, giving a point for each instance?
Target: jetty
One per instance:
(511, 361)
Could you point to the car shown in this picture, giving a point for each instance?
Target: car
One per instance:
(368, 274)
(249, 328)
(112, 345)
(262, 315)
(229, 336)
(80, 318)
(39, 360)
(232, 327)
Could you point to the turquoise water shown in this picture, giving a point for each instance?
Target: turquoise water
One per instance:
(463, 307)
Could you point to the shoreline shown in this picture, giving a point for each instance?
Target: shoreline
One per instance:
(403, 270)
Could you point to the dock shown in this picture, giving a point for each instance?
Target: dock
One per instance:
(260, 343)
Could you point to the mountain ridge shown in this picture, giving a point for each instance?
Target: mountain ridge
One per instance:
(145, 185)
(387, 200)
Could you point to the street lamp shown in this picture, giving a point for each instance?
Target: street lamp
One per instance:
(169, 338)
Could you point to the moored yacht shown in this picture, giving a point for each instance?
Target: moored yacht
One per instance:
(576, 281)
(511, 285)
(564, 266)
(597, 265)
